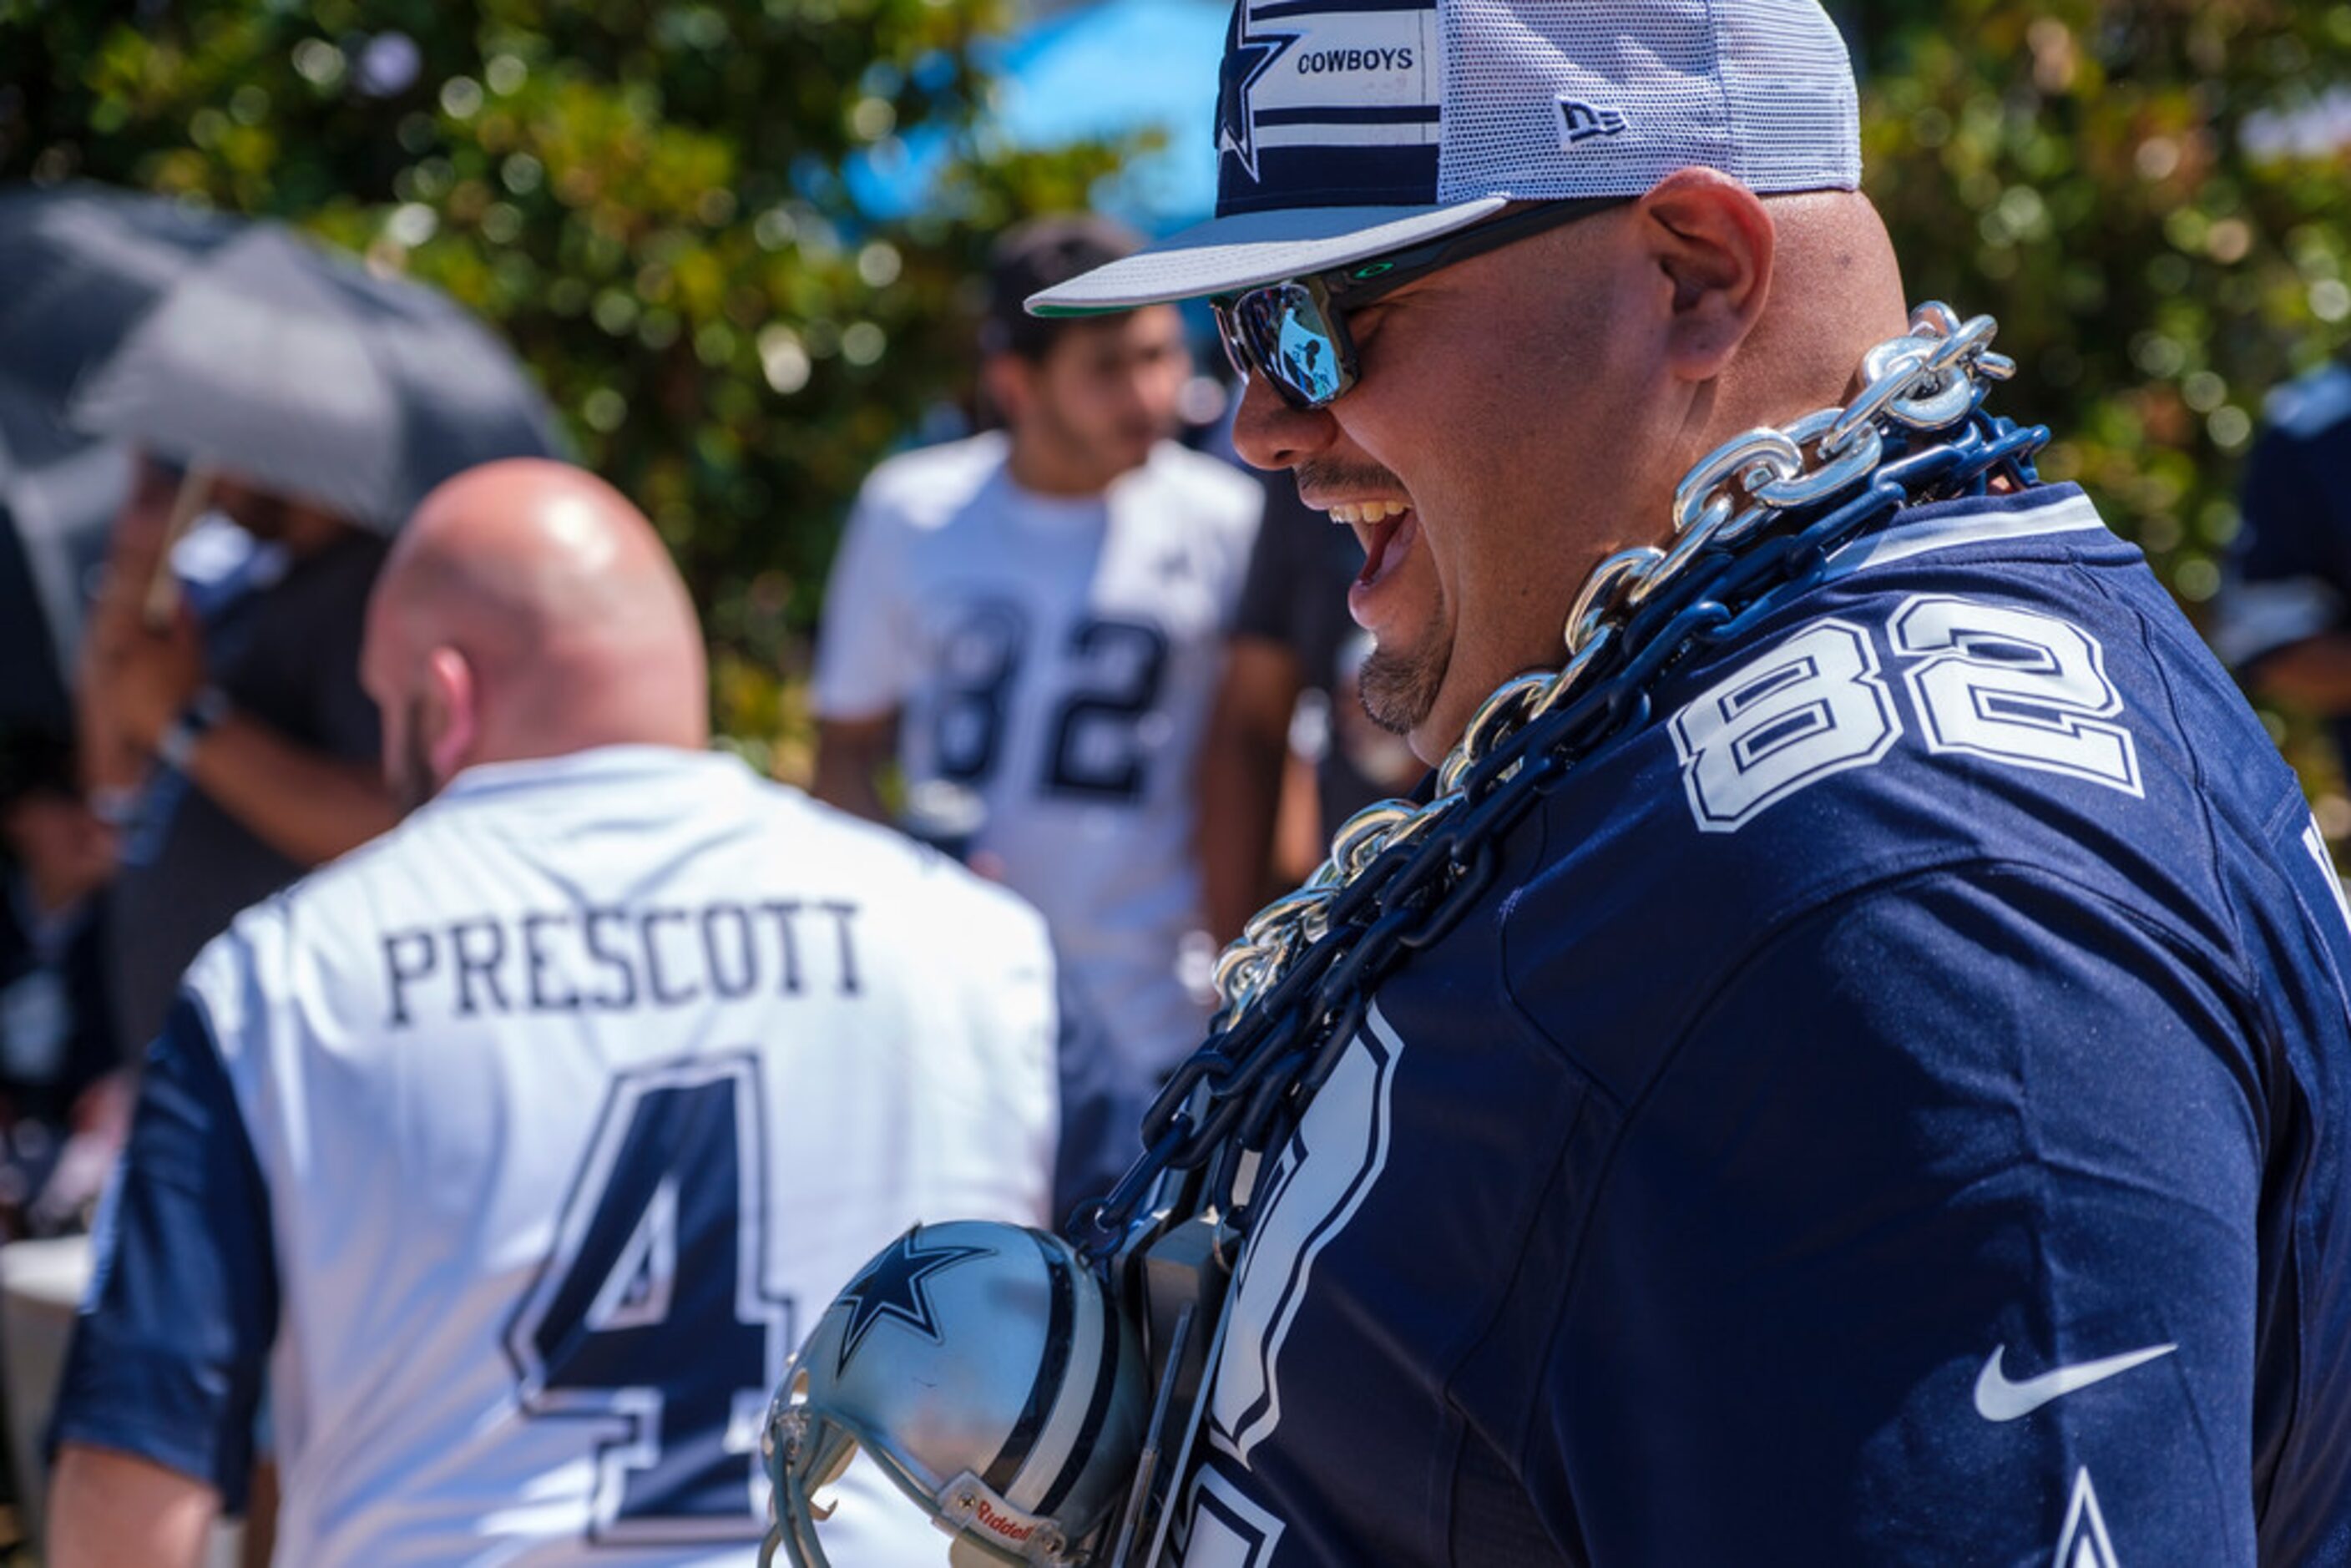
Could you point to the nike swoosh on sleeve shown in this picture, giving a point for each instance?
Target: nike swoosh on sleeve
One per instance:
(1998, 1399)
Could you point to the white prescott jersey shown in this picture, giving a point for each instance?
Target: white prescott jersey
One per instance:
(1057, 658)
(573, 1101)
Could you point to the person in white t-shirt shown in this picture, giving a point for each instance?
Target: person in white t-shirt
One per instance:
(520, 1147)
(1032, 623)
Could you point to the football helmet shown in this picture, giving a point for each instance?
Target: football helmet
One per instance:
(987, 1372)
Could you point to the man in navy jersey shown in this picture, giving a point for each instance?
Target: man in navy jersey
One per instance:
(2281, 620)
(1885, 1105)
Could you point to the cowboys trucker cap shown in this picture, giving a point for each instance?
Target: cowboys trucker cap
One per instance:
(1349, 127)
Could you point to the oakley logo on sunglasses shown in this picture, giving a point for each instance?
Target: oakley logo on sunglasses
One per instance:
(1582, 121)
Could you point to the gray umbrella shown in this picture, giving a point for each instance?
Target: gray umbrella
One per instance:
(81, 263)
(305, 374)
(56, 503)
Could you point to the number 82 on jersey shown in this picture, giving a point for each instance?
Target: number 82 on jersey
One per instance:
(2012, 685)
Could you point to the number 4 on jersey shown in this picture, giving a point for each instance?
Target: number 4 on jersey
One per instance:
(648, 1317)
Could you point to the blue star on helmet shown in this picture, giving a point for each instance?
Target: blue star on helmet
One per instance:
(1247, 58)
(892, 1287)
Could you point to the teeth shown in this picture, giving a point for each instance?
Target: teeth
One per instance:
(1368, 511)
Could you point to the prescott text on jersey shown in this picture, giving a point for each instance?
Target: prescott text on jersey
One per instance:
(612, 958)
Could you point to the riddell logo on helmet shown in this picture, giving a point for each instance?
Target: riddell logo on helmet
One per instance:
(1002, 1524)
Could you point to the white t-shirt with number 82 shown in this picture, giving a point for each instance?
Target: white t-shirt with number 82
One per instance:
(1057, 658)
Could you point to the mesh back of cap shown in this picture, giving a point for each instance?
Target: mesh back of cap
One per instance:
(1576, 98)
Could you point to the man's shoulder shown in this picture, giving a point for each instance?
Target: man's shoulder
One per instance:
(2004, 674)
(941, 889)
(305, 950)
(766, 831)
(327, 914)
(2315, 406)
(927, 487)
(2011, 701)
(326, 585)
(1212, 489)
(938, 921)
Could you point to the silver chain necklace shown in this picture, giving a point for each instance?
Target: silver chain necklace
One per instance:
(1747, 520)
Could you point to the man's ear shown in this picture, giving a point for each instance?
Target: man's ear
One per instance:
(1715, 241)
(1004, 378)
(449, 676)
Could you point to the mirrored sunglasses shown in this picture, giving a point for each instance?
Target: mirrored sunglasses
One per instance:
(1294, 333)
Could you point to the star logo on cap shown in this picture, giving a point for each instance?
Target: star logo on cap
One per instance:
(892, 1287)
(1247, 58)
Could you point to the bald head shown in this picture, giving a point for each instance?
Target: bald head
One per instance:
(1836, 293)
(529, 609)
(1768, 303)
(1721, 311)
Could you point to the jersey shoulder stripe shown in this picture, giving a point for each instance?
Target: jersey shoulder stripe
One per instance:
(931, 486)
(2311, 406)
(1226, 494)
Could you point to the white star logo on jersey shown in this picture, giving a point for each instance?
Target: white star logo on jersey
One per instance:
(2085, 1543)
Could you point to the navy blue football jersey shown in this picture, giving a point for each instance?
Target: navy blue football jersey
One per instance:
(1888, 1110)
(2289, 574)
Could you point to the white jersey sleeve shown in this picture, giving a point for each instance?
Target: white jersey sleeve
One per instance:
(863, 650)
(872, 653)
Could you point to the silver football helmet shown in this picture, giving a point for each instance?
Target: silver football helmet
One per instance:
(990, 1375)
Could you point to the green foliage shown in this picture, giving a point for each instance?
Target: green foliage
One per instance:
(2107, 177)
(647, 198)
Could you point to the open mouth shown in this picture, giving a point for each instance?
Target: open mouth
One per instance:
(1387, 529)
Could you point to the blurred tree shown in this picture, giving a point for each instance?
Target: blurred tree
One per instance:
(2149, 195)
(647, 198)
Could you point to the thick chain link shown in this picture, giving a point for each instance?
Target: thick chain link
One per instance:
(1760, 515)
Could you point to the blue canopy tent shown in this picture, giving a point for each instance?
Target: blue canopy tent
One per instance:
(1083, 72)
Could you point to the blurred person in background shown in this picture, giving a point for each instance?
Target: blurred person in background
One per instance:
(1035, 619)
(233, 741)
(521, 1146)
(57, 1033)
(2282, 618)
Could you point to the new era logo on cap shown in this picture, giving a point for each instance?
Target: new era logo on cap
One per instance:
(1582, 121)
(1328, 102)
